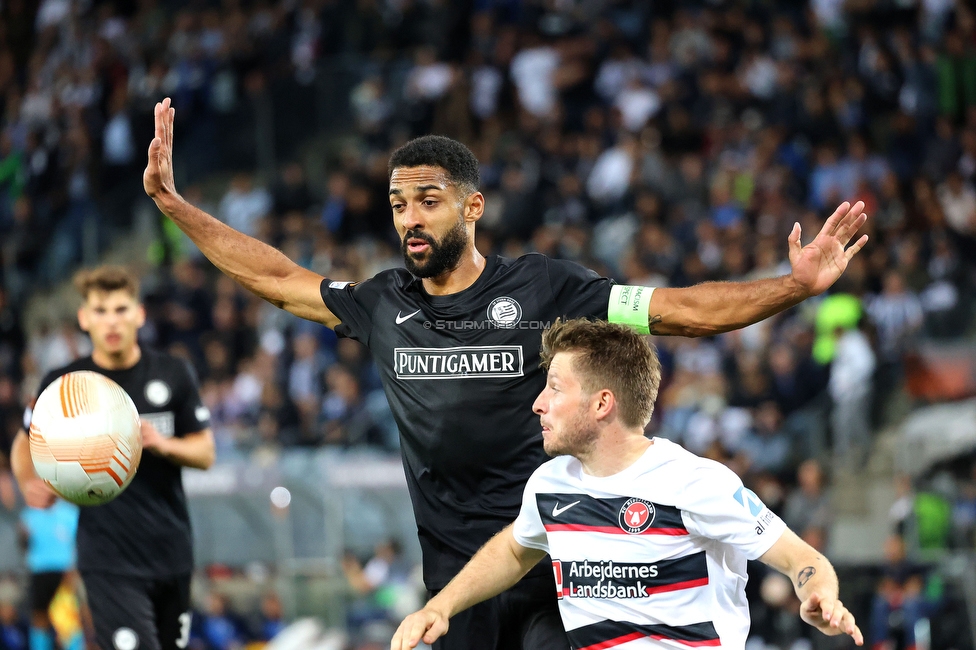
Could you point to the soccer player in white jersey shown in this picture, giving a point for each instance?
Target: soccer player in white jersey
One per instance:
(648, 542)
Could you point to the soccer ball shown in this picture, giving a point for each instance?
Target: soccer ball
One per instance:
(84, 438)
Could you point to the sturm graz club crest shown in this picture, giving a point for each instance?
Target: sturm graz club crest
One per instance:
(504, 312)
(636, 516)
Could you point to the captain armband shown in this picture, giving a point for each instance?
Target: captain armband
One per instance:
(628, 306)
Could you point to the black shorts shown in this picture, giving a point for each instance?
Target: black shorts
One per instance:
(43, 586)
(525, 617)
(139, 613)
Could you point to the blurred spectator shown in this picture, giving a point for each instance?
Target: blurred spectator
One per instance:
(896, 313)
(850, 387)
(767, 446)
(244, 205)
(900, 591)
(808, 506)
(13, 627)
(218, 628)
(270, 619)
(384, 584)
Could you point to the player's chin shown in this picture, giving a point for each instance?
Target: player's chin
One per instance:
(552, 447)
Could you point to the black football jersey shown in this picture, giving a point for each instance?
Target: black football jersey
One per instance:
(461, 373)
(145, 531)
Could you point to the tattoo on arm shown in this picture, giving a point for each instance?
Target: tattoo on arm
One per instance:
(804, 576)
(652, 321)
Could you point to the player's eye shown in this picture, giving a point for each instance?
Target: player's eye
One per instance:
(429, 203)
(397, 207)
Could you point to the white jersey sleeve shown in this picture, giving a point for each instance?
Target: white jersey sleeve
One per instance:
(528, 530)
(717, 506)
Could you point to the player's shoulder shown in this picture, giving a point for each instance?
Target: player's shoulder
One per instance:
(555, 269)
(168, 367)
(688, 474)
(83, 363)
(554, 473)
(158, 359)
(395, 278)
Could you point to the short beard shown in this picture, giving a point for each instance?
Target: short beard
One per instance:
(579, 439)
(442, 257)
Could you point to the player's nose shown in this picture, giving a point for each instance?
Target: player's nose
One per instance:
(411, 218)
(538, 407)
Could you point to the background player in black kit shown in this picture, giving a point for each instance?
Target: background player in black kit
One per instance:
(135, 553)
(456, 338)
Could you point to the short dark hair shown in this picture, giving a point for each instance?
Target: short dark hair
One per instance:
(106, 278)
(609, 356)
(457, 160)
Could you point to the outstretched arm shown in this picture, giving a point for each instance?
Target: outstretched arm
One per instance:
(815, 583)
(497, 566)
(715, 307)
(259, 268)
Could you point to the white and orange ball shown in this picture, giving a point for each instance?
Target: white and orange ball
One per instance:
(84, 438)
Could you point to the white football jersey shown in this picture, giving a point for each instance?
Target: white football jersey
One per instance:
(653, 556)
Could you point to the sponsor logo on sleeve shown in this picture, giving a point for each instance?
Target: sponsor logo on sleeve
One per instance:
(339, 285)
(471, 362)
(202, 413)
(748, 499)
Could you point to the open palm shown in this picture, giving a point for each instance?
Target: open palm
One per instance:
(158, 180)
(817, 265)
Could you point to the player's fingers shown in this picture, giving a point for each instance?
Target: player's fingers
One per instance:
(172, 121)
(837, 615)
(856, 247)
(158, 121)
(813, 602)
(833, 220)
(847, 625)
(164, 119)
(853, 227)
(852, 215)
(794, 240)
(436, 631)
(398, 642)
(857, 636)
(415, 631)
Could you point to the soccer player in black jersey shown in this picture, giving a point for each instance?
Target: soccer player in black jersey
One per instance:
(135, 553)
(456, 338)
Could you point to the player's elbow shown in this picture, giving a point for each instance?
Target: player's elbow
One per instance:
(208, 452)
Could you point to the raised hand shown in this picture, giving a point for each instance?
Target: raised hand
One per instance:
(830, 617)
(817, 265)
(158, 178)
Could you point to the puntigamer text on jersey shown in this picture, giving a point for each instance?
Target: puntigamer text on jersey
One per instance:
(474, 362)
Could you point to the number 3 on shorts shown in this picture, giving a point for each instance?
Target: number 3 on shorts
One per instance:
(184, 639)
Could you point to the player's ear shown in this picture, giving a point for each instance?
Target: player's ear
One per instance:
(605, 402)
(140, 315)
(83, 318)
(474, 207)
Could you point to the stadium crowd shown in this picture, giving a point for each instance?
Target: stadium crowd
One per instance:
(661, 144)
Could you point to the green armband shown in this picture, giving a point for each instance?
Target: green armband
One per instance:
(628, 306)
